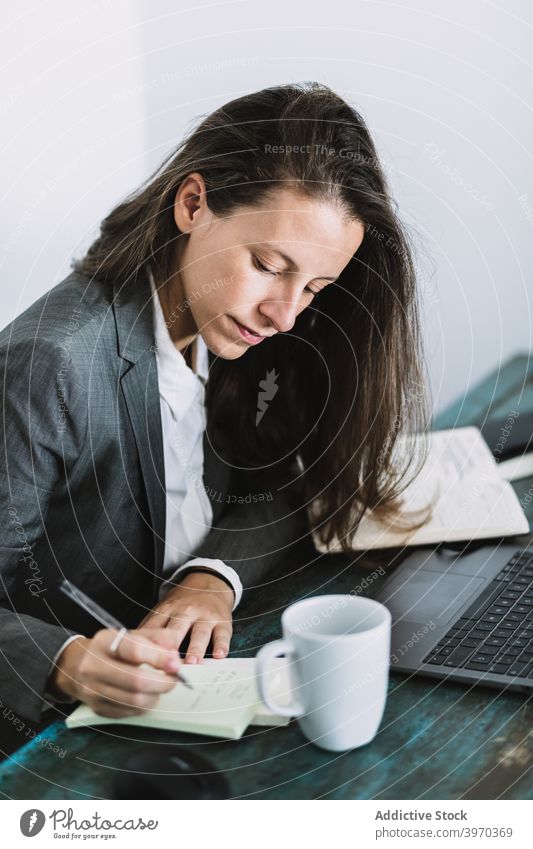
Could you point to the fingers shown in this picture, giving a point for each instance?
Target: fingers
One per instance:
(143, 678)
(202, 632)
(178, 624)
(156, 647)
(130, 680)
(161, 636)
(200, 636)
(112, 701)
(167, 617)
(221, 640)
(155, 619)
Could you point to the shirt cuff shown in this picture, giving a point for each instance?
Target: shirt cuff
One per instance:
(214, 565)
(51, 697)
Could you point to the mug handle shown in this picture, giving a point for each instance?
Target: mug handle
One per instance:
(264, 656)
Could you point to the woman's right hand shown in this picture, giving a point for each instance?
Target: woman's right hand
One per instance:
(118, 684)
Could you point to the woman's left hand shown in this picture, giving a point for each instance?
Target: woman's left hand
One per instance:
(201, 603)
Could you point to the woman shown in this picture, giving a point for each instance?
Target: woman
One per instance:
(261, 271)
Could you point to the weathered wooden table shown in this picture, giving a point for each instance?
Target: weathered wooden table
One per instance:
(437, 740)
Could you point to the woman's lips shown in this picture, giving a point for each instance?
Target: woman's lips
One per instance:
(251, 338)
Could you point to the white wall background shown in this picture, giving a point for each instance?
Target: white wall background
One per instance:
(93, 96)
(70, 145)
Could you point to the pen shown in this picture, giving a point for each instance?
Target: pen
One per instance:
(102, 615)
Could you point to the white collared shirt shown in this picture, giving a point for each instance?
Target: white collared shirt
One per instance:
(189, 514)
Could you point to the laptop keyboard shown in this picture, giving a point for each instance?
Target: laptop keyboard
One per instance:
(495, 634)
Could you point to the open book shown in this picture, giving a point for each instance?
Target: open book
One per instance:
(223, 702)
(471, 499)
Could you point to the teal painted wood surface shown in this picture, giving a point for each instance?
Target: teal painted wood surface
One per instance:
(436, 741)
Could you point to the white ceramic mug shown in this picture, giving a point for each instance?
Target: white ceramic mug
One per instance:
(338, 651)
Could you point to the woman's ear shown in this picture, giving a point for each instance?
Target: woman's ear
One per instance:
(190, 204)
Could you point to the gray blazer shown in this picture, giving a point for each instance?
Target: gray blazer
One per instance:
(82, 480)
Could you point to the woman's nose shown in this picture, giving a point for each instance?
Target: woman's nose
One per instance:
(281, 312)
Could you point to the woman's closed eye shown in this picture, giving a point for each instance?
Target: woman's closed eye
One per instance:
(259, 265)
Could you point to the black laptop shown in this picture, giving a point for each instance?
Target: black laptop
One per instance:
(464, 615)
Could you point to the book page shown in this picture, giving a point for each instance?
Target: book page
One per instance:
(461, 478)
(279, 686)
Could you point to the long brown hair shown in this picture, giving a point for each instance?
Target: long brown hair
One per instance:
(350, 374)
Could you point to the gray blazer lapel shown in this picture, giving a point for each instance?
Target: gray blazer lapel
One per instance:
(133, 310)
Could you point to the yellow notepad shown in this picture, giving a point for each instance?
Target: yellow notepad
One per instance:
(222, 703)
